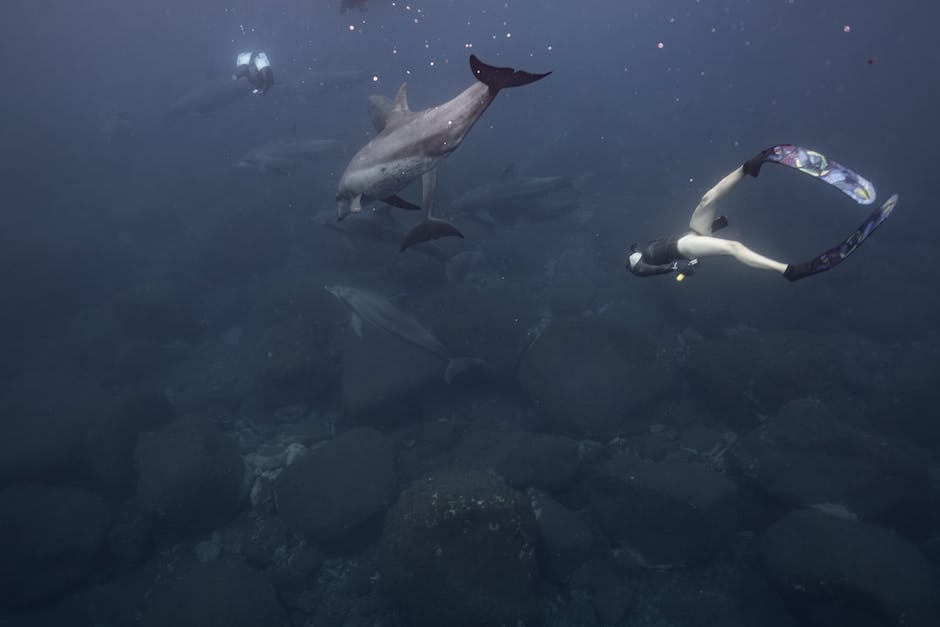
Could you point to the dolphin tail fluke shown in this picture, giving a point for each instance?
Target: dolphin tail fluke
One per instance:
(497, 78)
(428, 229)
(457, 366)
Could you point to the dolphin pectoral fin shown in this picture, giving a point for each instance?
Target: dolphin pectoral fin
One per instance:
(497, 78)
(458, 366)
(346, 206)
(428, 229)
(401, 203)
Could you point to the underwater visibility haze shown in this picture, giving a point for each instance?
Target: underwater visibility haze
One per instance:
(371, 312)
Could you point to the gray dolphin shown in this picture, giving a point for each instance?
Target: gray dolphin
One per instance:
(410, 144)
(382, 313)
(282, 155)
(514, 199)
(208, 98)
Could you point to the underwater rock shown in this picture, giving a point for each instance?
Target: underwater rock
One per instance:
(221, 371)
(669, 513)
(45, 419)
(458, 549)
(383, 377)
(296, 362)
(111, 438)
(838, 572)
(565, 539)
(51, 539)
(337, 487)
(190, 475)
(130, 541)
(746, 372)
(220, 592)
(805, 456)
(495, 323)
(523, 459)
(588, 377)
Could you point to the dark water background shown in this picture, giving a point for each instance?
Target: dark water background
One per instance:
(126, 261)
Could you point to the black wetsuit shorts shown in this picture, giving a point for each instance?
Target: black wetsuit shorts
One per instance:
(663, 251)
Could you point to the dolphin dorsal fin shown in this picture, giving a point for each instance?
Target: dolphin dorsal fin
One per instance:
(399, 110)
(401, 99)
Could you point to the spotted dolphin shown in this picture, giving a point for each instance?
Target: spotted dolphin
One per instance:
(410, 144)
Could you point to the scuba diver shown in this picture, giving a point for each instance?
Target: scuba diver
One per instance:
(257, 68)
(680, 253)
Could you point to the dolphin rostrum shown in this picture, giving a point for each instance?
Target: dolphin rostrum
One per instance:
(382, 313)
(410, 144)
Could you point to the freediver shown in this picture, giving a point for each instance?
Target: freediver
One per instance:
(680, 253)
(257, 68)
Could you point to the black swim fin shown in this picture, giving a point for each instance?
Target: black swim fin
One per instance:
(497, 78)
(428, 229)
(797, 271)
(841, 251)
(752, 165)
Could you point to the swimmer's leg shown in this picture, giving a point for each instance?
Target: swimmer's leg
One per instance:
(697, 246)
(704, 215)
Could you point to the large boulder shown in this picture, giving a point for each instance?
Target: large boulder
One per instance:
(495, 323)
(459, 548)
(43, 424)
(339, 486)
(523, 459)
(839, 572)
(296, 361)
(220, 372)
(565, 539)
(51, 540)
(805, 456)
(215, 594)
(383, 377)
(190, 474)
(590, 376)
(791, 365)
(668, 512)
(111, 438)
